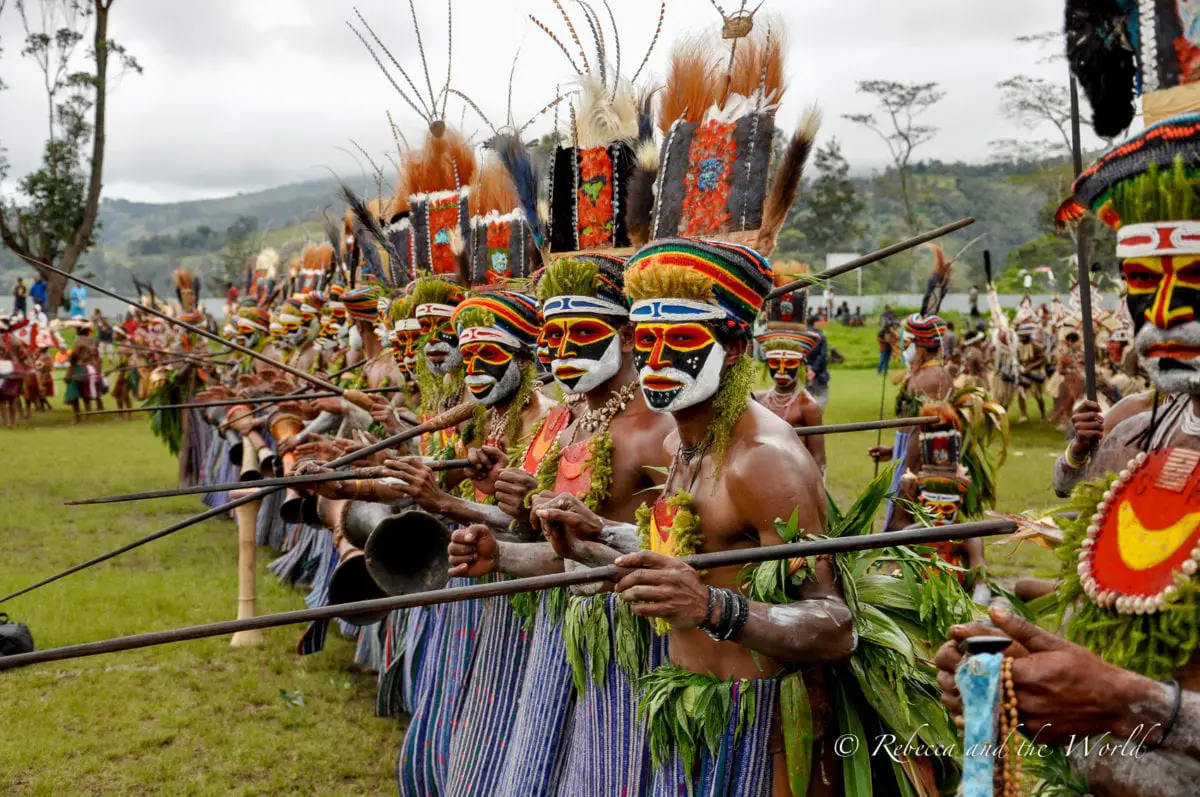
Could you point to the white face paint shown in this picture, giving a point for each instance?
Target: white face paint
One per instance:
(595, 372)
(355, 338)
(909, 354)
(504, 388)
(1170, 365)
(694, 390)
(450, 362)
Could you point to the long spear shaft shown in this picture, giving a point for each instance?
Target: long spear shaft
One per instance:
(285, 481)
(152, 350)
(204, 333)
(873, 257)
(704, 561)
(866, 426)
(200, 405)
(451, 417)
(300, 391)
(1081, 255)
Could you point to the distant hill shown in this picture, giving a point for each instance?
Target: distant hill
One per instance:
(1012, 203)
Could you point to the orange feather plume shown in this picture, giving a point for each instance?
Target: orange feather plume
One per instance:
(758, 63)
(691, 89)
(943, 411)
(492, 190)
(433, 167)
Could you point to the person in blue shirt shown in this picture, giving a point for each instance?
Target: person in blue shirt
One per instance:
(78, 302)
(38, 291)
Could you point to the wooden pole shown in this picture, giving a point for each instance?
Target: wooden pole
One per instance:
(247, 528)
(704, 561)
(364, 474)
(1081, 255)
(204, 333)
(873, 257)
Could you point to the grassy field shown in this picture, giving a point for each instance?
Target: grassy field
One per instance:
(201, 718)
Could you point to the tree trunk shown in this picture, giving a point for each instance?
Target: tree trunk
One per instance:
(83, 234)
(56, 288)
(910, 220)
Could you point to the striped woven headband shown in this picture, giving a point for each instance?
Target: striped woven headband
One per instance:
(1159, 144)
(515, 314)
(650, 310)
(582, 305)
(361, 304)
(925, 328)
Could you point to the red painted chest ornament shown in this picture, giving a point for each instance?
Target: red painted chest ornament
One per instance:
(662, 518)
(558, 420)
(1144, 534)
(574, 472)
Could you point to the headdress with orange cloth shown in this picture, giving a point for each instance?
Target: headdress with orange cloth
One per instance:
(718, 118)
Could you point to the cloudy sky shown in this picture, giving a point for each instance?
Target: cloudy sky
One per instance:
(246, 94)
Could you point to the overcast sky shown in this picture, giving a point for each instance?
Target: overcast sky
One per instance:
(246, 94)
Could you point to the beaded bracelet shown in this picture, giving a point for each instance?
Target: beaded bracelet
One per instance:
(712, 604)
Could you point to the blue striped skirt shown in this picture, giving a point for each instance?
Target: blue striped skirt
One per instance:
(742, 766)
(537, 748)
(609, 754)
(487, 712)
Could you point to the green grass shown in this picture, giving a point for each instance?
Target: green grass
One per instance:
(200, 717)
(195, 718)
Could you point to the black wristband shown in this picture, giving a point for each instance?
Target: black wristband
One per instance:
(716, 631)
(706, 623)
(743, 615)
(1170, 726)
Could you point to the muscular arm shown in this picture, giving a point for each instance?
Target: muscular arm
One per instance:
(468, 512)
(818, 628)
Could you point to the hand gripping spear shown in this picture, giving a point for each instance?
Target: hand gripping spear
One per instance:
(704, 561)
(451, 417)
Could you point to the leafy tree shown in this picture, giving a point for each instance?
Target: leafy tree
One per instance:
(902, 104)
(900, 131)
(831, 213)
(55, 221)
(242, 243)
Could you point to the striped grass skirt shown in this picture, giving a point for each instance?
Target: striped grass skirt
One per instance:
(480, 740)
(537, 748)
(742, 764)
(217, 469)
(608, 748)
(439, 642)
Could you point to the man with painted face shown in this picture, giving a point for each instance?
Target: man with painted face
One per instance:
(693, 306)
(1031, 376)
(1129, 663)
(603, 461)
(785, 354)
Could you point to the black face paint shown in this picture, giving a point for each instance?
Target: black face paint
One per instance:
(489, 369)
(585, 351)
(679, 364)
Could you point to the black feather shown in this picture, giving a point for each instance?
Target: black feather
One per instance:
(639, 204)
(367, 231)
(333, 234)
(987, 266)
(1103, 61)
(525, 178)
(646, 118)
(371, 263)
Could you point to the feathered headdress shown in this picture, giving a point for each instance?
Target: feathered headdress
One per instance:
(592, 166)
(718, 116)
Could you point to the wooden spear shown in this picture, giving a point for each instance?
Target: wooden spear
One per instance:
(865, 426)
(704, 561)
(873, 257)
(286, 481)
